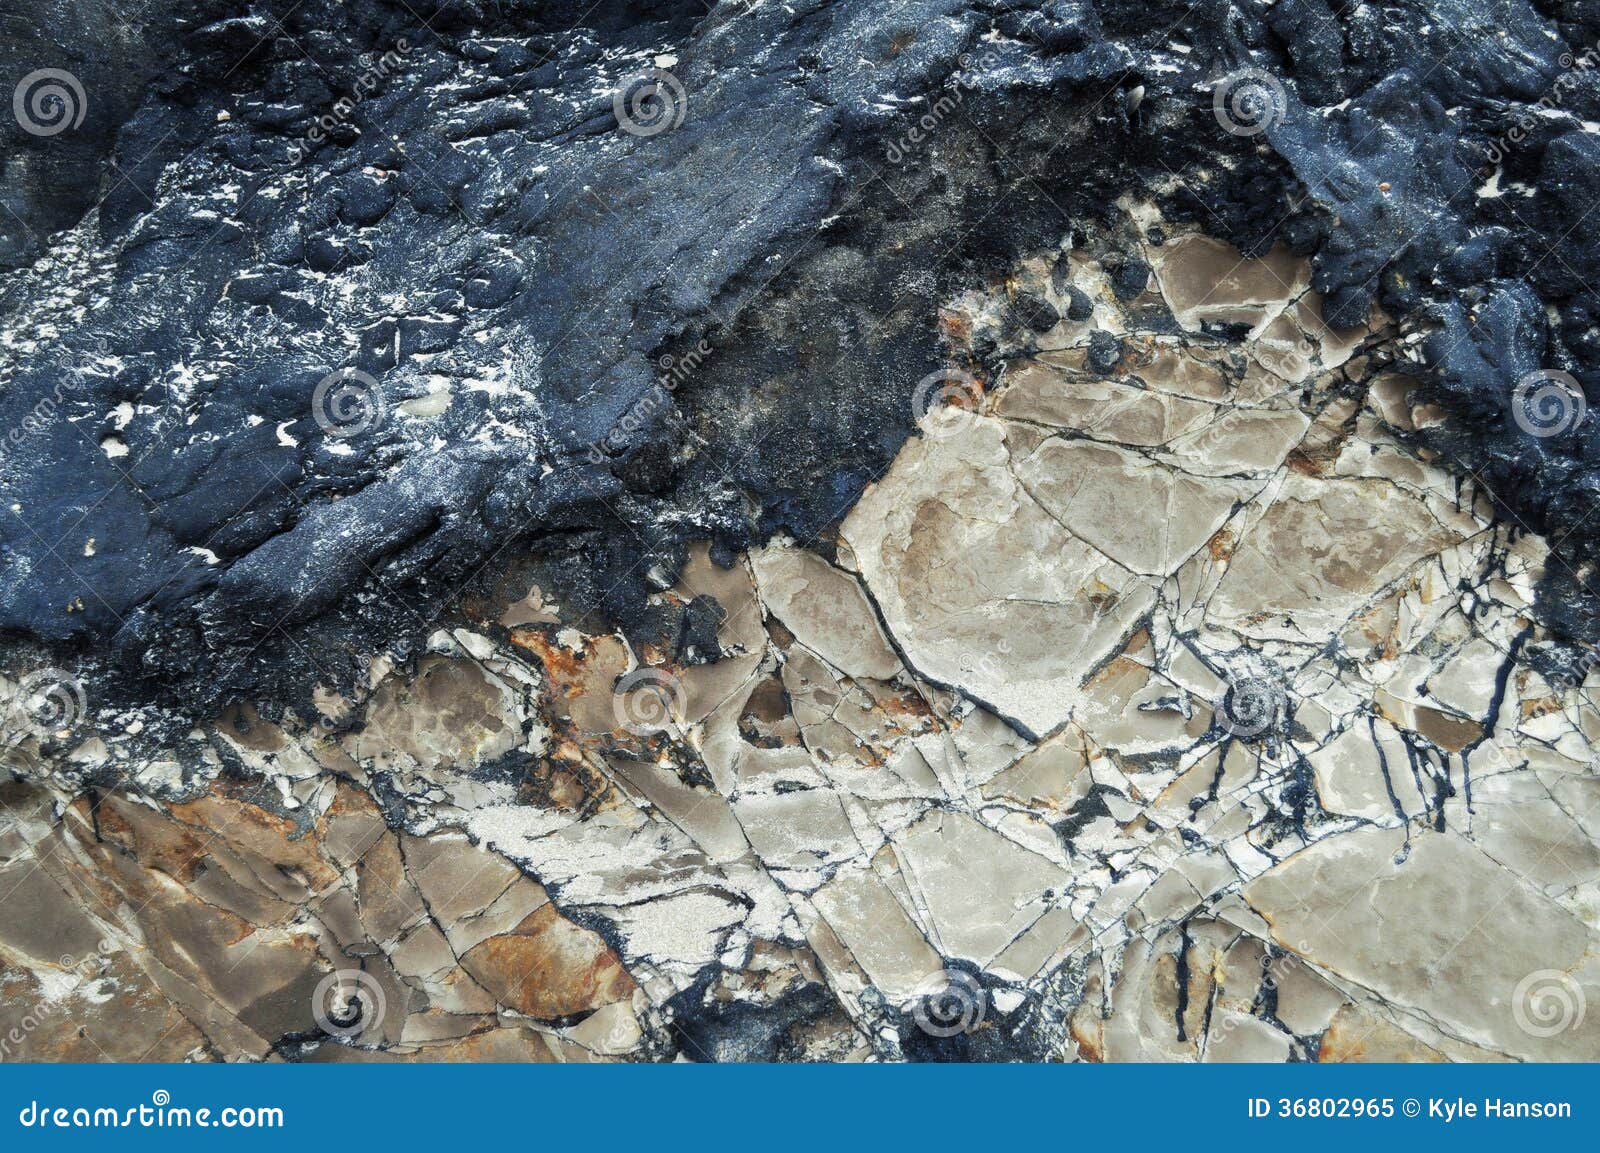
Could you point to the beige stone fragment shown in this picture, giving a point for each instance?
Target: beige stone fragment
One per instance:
(1237, 1037)
(103, 1007)
(1442, 729)
(41, 921)
(1306, 1003)
(1534, 823)
(1175, 367)
(1128, 708)
(1356, 1035)
(1251, 441)
(983, 589)
(1281, 348)
(701, 813)
(389, 905)
(803, 829)
(456, 878)
(513, 905)
(581, 673)
(1320, 551)
(1145, 1021)
(1388, 394)
(877, 930)
(980, 890)
(1207, 280)
(1439, 929)
(1466, 683)
(1046, 939)
(740, 635)
(1356, 773)
(1052, 774)
(1106, 409)
(453, 714)
(1141, 514)
(825, 609)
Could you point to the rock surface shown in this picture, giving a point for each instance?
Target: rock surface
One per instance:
(321, 310)
(1007, 774)
(842, 531)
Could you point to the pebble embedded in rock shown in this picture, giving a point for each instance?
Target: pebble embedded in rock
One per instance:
(1105, 351)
